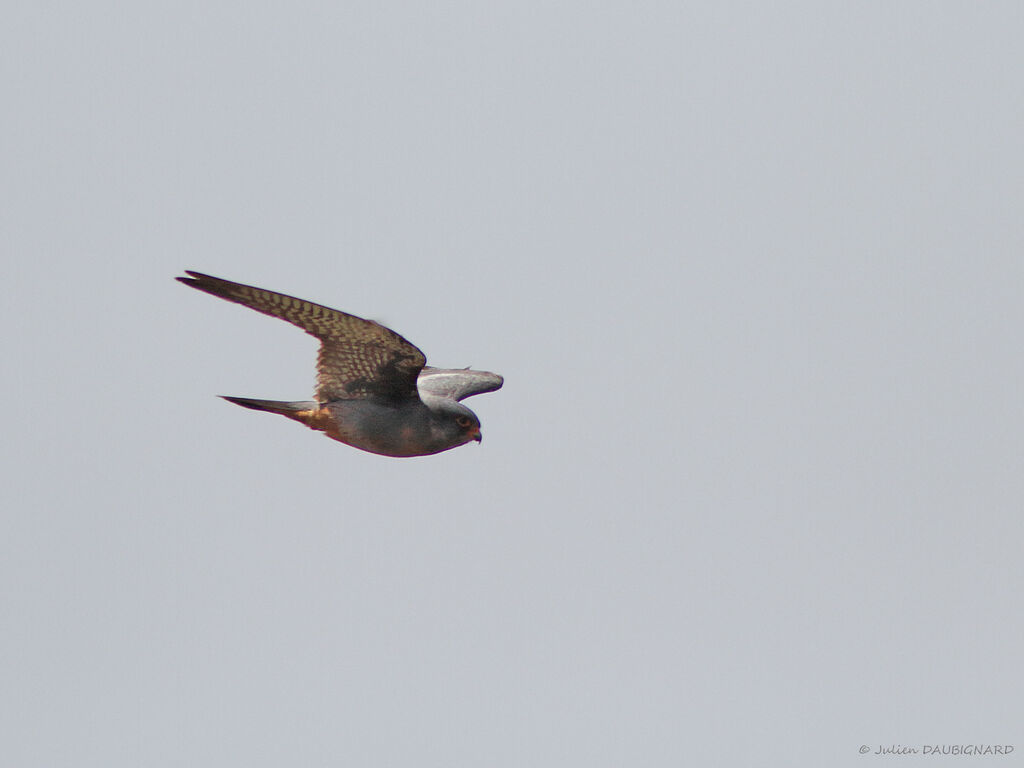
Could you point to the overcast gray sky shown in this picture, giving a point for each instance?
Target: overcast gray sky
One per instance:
(751, 494)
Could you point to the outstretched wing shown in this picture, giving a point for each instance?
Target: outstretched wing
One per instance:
(358, 358)
(458, 383)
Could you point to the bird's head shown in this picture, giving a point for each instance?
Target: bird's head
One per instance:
(456, 422)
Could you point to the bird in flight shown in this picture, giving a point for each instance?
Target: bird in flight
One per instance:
(374, 390)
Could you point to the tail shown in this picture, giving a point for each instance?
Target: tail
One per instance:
(305, 411)
(274, 406)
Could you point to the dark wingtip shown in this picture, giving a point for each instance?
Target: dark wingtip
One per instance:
(215, 286)
(192, 279)
(198, 275)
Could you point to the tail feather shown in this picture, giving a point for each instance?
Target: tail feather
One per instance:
(305, 412)
(285, 408)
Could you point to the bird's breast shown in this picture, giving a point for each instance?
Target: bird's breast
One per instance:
(403, 430)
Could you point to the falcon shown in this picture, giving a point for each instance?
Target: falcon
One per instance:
(374, 390)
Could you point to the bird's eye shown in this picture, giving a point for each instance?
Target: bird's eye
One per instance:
(463, 421)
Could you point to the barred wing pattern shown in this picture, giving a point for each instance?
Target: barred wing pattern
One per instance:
(358, 358)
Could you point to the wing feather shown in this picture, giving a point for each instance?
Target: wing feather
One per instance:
(457, 383)
(358, 358)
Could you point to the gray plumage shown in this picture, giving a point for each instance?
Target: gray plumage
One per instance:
(373, 391)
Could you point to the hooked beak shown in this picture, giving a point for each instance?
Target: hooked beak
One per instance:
(477, 436)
